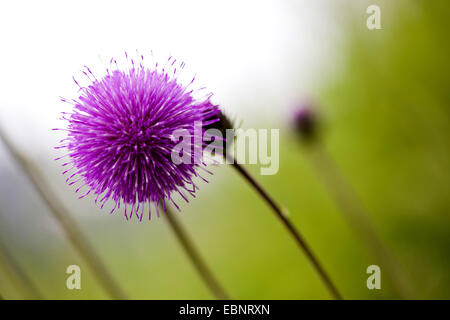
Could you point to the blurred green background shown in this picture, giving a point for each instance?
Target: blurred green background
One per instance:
(385, 109)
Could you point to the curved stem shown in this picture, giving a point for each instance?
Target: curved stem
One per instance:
(189, 247)
(20, 278)
(59, 212)
(356, 215)
(289, 226)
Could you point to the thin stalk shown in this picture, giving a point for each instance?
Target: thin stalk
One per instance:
(190, 249)
(354, 212)
(18, 275)
(69, 226)
(289, 226)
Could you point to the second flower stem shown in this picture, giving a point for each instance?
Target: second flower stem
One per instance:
(18, 275)
(195, 257)
(290, 227)
(66, 222)
(357, 216)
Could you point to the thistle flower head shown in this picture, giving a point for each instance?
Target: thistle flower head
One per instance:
(120, 135)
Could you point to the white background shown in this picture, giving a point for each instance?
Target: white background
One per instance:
(257, 57)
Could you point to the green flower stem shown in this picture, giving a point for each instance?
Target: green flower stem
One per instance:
(354, 212)
(189, 247)
(290, 228)
(17, 274)
(69, 226)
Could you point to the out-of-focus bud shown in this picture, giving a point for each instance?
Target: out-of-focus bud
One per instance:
(306, 123)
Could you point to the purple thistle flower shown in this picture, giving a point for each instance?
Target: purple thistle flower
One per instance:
(120, 135)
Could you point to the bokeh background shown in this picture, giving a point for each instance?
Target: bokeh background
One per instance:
(384, 97)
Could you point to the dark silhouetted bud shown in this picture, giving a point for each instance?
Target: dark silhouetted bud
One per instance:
(306, 124)
(226, 126)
